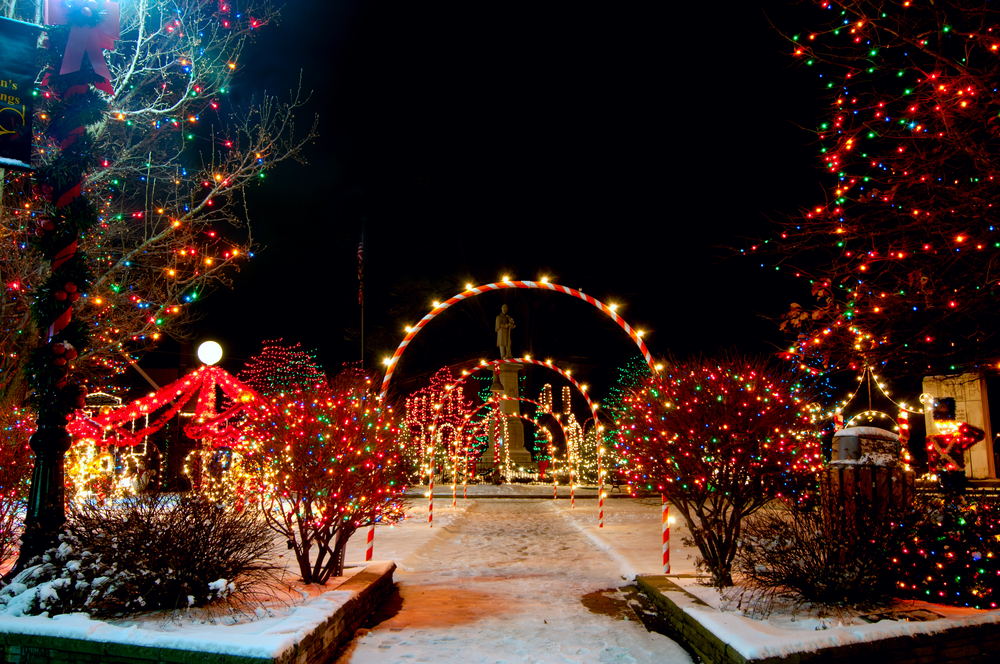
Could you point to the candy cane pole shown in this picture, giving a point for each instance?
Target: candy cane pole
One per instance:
(496, 430)
(555, 482)
(454, 482)
(600, 485)
(572, 484)
(572, 489)
(430, 485)
(666, 534)
(371, 543)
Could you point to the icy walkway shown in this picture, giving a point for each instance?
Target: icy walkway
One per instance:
(502, 581)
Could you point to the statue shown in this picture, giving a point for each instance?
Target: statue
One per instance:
(503, 327)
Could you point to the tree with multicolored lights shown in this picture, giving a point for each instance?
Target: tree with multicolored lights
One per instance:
(168, 160)
(902, 256)
(327, 464)
(719, 438)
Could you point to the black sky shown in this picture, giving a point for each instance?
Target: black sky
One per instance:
(616, 149)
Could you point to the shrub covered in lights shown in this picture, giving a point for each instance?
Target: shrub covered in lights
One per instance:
(327, 462)
(719, 438)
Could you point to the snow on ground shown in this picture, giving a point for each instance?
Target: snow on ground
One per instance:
(476, 553)
(501, 580)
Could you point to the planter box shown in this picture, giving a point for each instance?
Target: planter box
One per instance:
(728, 638)
(321, 627)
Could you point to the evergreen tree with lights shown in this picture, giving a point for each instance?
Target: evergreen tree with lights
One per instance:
(719, 438)
(901, 257)
(280, 368)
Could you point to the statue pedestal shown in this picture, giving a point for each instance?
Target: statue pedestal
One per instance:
(519, 455)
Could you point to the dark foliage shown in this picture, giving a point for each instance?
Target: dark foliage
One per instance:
(791, 552)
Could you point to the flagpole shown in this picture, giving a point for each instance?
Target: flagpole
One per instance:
(361, 288)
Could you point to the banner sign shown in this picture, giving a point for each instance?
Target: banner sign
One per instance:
(18, 68)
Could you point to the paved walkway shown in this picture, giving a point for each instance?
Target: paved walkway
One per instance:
(510, 581)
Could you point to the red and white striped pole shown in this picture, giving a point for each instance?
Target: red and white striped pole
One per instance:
(454, 482)
(552, 461)
(600, 485)
(666, 534)
(371, 543)
(430, 492)
(572, 484)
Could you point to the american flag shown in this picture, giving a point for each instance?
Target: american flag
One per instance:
(361, 270)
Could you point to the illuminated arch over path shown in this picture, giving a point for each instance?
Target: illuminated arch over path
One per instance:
(478, 290)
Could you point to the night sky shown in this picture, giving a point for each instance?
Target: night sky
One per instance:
(619, 150)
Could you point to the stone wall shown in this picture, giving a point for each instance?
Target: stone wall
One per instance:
(371, 585)
(968, 644)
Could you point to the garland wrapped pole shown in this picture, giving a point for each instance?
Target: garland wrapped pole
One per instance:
(78, 31)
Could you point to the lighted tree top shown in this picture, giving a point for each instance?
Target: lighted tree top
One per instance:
(282, 368)
(719, 438)
(902, 257)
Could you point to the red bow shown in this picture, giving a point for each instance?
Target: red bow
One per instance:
(85, 41)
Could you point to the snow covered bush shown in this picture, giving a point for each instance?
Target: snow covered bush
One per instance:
(719, 438)
(146, 552)
(793, 553)
(328, 463)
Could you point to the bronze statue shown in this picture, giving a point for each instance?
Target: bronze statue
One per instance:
(504, 325)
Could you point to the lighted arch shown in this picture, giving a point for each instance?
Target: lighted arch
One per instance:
(565, 374)
(478, 290)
